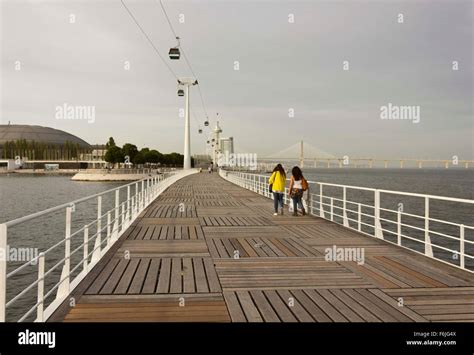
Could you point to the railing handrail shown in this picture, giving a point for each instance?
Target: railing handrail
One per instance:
(31, 216)
(414, 194)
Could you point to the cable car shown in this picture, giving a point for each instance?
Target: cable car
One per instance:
(208, 142)
(213, 140)
(200, 131)
(174, 53)
(180, 92)
(206, 123)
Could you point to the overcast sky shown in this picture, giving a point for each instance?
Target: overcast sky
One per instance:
(283, 66)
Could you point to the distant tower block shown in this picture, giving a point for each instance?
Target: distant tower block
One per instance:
(386, 164)
(401, 164)
(217, 150)
(446, 164)
(420, 164)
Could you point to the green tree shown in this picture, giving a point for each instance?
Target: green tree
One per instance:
(110, 143)
(139, 158)
(114, 155)
(130, 150)
(153, 156)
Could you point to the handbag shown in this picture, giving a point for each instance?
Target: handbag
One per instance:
(270, 188)
(296, 193)
(304, 184)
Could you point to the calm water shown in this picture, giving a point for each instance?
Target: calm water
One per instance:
(21, 195)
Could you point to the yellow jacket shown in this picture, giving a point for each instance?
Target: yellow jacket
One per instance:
(279, 182)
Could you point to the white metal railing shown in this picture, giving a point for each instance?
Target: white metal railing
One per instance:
(108, 226)
(383, 223)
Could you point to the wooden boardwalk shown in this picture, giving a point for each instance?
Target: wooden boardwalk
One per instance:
(207, 250)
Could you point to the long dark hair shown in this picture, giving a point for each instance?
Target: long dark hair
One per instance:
(297, 174)
(280, 169)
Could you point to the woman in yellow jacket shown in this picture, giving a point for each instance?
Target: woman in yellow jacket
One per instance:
(277, 183)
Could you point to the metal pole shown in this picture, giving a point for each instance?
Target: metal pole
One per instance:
(187, 135)
(428, 248)
(99, 218)
(67, 247)
(359, 217)
(86, 247)
(399, 228)
(461, 247)
(40, 307)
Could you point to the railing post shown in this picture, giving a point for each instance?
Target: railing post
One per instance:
(399, 227)
(377, 226)
(332, 208)
(99, 219)
(122, 225)
(128, 215)
(40, 297)
(86, 248)
(428, 247)
(461, 247)
(67, 254)
(109, 221)
(142, 197)
(3, 271)
(359, 217)
(321, 208)
(64, 287)
(117, 212)
(344, 215)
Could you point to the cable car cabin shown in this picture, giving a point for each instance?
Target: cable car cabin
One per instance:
(208, 142)
(206, 123)
(200, 131)
(180, 92)
(174, 53)
(213, 140)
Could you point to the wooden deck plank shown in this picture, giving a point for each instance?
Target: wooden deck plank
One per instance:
(151, 279)
(264, 307)
(233, 305)
(164, 276)
(279, 306)
(138, 280)
(200, 276)
(251, 312)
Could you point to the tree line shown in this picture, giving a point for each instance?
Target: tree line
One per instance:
(129, 153)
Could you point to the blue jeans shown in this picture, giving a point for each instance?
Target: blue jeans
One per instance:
(277, 198)
(297, 202)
